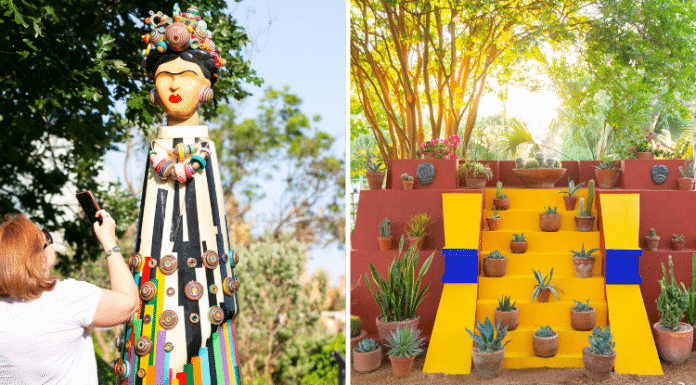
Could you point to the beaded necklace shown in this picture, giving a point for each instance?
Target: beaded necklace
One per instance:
(180, 162)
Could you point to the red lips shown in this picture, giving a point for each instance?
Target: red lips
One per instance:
(175, 98)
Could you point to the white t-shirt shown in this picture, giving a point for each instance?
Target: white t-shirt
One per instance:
(47, 340)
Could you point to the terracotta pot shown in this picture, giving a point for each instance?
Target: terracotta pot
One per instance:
(549, 222)
(597, 366)
(678, 245)
(367, 362)
(570, 202)
(501, 204)
(674, 347)
(408, 184)
(607, 178)
(582, 320)
(493, 223)
(518, 247)
(539, 177)
(416, 242)
(645, 155)
(685, 184)
(651, 243)
(509, 318)
(584, 224)
(385, 243)
(429, 155)
(544, 295)
(494, 267)
(583, 267)
(386, 328)
(375, 180)
(477, 182)
(354, 341)
(488, 365)
(545, 346)
(401, 366)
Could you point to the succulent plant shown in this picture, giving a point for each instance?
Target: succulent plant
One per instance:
(581, 209)
(584, 254)
(371, 165)
(544, 282)
(405, 342)
(688, 170)
(600, 341)
(572, 188)
(487, 341)
(405, 177)
(678, 238)
(550, 162)
(385, 228)
(355, 326)
(519, 162)
(545, 332)
(582, 307)
(673, 300)
(518, 237)
(498, 191)
(531, 163)
(539, 157)
(495, 213)
(550, 210)
(495, 255)
(590, 196)
(504, 304)
(691, 310)
(366, 345)
(652, 234)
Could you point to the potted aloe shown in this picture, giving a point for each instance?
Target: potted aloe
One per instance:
(583, 261)
(489, 350)
(550, 219)
(584, 221)
(544, 288)
(385, 237)
(475, 174)
(518, 244)
(652, 240)
(494, 221)
(374, 173)
(599, 357)
(507, 314)
(367, 356)
(678, 242)
(501, 201)
(356, 332)
(607, 174)
(686, 182)
(401, 292)
(405, 344)
(415, 229)
(569, 198)
(545, 342)
(407, 181)
(582, 316)
(672, 337)
(494, 264)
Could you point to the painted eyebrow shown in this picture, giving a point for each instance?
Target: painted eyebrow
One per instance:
(175, 73)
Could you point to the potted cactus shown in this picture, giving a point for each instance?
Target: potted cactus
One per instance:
(584, 221)
(501, 201)
(494, 221)
(374, 173)
(672, 337)
(367, 356)
(544, 288)
(545, 342)
(550, 219)
(475, 174)
(518, 244)
(686, 182)
(507, 314)
(385, 237)
(582, 316)
(652, 240)
(356, 332)
(489, 350)
(678, 242)
(540, 172)
(494, 264)
(569, 197)
(404, 344)
(599, 357)
(415, 229)
(607, 174)
(407, 181)
(584, 262)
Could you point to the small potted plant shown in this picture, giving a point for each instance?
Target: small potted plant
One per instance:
(356, 332)
(518, 244)
(652, 240)
(494, 221)
(415, 229)
(672, 337)
(475, 174)
(582, 316)
(489, 350)
(584, 221)
(599, 357)
(544, 288)
(404, 345)
(374, 173)
(407, 181)
(569, 197)
(686, 182)
(584, 262)
(501, 201)
(494, 264)
(678, 242)
(550, 219)
(545, 342)
(385, 237)
(507, 314)
(607, 174)
(367, 356)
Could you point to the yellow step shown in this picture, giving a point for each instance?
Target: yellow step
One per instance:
(521, 264)
(533, 199)
(515, 360)
(527, 220)
(534, 314)
(522, 286)
(540, 241)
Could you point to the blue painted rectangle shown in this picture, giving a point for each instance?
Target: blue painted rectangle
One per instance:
(622, 270)
(624, 252)
(460, 252)
(460, 269)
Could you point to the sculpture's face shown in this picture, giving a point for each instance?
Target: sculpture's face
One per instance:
(179, 84)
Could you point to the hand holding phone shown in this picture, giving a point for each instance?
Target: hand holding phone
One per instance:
(89, 206)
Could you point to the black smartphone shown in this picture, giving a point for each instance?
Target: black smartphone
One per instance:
(89, 205)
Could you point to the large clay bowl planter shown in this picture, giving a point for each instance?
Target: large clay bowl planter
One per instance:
(582, 320)
(539, 177)
(583, 267)
(385, 243)
(493, 223)
(549, 222)
(570, 202)
(545, 346)
(606, 178)
(674, 347)
(408, 184)
(509, 318)
(651, 243)
(543, 295)
(494, 267)
(685, 184)
(477, 182)
(488, 365)
(645, 155)
(375, 180)
(501, 204)
(416, 242)
(401, 366)
(386, 328)
(367, 362)
(597, 366)
(354, 341)
(678, 245)
(518, 247)
(584, 224)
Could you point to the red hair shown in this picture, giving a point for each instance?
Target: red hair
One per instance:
(22, 259)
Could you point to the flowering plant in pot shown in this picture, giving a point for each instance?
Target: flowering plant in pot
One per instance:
(643, 146)
(583, 261)
(506, 313)
(599, 357)
(582, 316)
(686, 182)
(494, 221)
(405, 344)
(374, 173)
(400, 292)
(652, 240)
(672, 337)
(489, 350)
(570, 199)
(544, 288)
(494, 264)
(607, 174)
(407, 181)
(415, 228)
(475, 174)
(385, 237)
(440, 149)
(367, 356)
(678, 242)
(518, 244)
(550, 219)
(584, 221)
(545, 342)
(501, 201)
(356, 332)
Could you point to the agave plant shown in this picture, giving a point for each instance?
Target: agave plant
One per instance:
(544, 282)
(505, 305)
(487, 341)
(584, 254)
(572, 188)
(405, 342)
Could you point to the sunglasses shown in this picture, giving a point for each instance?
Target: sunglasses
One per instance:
(49, 238)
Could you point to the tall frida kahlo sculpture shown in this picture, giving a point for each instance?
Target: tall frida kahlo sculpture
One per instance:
(183, 331)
